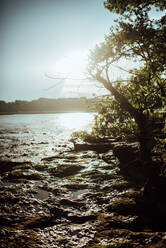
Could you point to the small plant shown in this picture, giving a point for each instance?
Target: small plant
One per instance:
(111, 120)
(83, 136)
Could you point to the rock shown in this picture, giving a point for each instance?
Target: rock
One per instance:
(95, 207)
(6, 166)
(118, 185)
(108, 157)
(9, 199)
(161, 244)
(98, 176)
(82, 219)
(134, 170)
(123, 238)
(39, 222)
(88, 154)
(130, 165)
(51, 158)
(121, 222)
(77, 219)
(58, 212)
(155, 202)
(41, 167)
(6, 220)
(98, 147)
(65, 170)
(125, 206)
(18, 175)
(71, 203)
(126, 152)
(74, 186)
(41, 194)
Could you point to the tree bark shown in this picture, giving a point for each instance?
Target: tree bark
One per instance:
(146, 134)
(146, 140)
(135, 113)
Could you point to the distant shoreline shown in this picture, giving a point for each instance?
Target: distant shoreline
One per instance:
(48, 106)
(43, 112)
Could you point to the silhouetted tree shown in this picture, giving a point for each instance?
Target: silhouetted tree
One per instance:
(136, 37)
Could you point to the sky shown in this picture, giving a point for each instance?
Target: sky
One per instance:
(41, 39)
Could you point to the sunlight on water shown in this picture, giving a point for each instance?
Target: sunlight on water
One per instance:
(76, 121)
(30, 137)
(43, 126)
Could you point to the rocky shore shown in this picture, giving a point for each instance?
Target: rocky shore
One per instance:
(79, 197)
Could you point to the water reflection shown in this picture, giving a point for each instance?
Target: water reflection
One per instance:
(76, 121)
(32, 136)
(55, 123)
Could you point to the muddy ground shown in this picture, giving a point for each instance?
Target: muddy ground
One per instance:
(70, 199)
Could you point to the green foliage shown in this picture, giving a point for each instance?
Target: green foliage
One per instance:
(111, 120)
(136, 99)
(121, 6)
(84, 136)
(161, 141)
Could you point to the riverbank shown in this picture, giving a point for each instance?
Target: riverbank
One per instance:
(48, 105)
(74, 198)
(43, 112)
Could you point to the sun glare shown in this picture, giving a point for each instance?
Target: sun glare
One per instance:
(69, 72)
(73, 64)
(76, 121)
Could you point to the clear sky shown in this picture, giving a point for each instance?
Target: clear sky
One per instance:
(40, 37)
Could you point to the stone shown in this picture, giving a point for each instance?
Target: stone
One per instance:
(6, 166)
(126, 152)
(98, 147)
(71, 203)
(65, 170)
(19, 175)
(82, 219)
(125, 206)
(134, 170)
(161, 244)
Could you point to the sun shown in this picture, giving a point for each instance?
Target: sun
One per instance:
(74, 64)
(70, 76)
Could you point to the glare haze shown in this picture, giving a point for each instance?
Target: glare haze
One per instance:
(40, 38)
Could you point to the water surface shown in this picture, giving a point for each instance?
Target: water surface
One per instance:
(30, 136)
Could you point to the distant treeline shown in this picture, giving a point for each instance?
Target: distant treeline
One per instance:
(46, 105)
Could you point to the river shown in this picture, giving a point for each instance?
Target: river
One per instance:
(32, 136)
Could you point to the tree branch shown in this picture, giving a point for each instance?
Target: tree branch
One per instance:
(135, 113)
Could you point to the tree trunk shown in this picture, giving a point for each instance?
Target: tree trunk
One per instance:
(144, 124)
(146, 140)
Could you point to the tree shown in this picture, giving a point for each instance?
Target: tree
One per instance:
(120, 7)
(139, 38)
